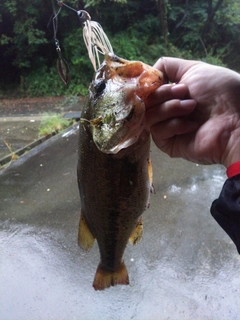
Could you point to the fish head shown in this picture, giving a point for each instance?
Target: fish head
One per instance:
(116, 102)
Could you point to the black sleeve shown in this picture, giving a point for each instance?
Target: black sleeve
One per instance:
(226, 209)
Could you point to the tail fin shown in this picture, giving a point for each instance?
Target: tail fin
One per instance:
(104, 279)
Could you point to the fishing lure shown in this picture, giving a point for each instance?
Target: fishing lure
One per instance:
(95, 39)
(62, 65)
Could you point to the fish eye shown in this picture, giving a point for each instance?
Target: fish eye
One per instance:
(99, 87)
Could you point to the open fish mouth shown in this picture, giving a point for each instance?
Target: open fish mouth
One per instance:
(117, 94)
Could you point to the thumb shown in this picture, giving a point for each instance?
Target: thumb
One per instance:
(174, 68)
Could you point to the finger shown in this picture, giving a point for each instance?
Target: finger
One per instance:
(167, 110)
(174, 68)
(174, 137)
(166, 92)
(171, 128)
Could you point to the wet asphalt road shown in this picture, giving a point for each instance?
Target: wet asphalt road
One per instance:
(186, 267)
(17, 132)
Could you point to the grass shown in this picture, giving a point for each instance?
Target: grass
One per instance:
(52, 124)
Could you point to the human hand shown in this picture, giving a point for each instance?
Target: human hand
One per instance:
(198, 119)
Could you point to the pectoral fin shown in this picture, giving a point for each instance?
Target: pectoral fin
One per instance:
(85, 237)
(150, 175)
(137, 233)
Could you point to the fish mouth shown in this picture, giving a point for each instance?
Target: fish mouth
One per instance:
(109, 146)
(121, 129)
(118, 92)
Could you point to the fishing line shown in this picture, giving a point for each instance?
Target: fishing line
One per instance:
(62, 65)
(61, 3)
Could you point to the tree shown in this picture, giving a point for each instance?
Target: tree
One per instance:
(205, 27)
(138, 29)
(21, 30)
(212, 10)
(162, 7)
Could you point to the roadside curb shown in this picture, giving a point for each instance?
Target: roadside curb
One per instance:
(35, 143)
(27, 148)
(21, 118)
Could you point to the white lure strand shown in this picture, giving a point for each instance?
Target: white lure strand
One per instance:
(96, 42)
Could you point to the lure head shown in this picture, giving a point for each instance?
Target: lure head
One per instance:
(116, 109)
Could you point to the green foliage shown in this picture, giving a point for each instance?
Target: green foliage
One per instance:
(52, 123)
(25, 36)
(89, 3)
(197, 29)
(46, 82)
(205, 27)
(42, 82)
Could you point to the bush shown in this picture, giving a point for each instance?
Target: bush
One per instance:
(52, 123)
(132, 44)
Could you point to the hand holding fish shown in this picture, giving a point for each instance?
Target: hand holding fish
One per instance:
(197, 119)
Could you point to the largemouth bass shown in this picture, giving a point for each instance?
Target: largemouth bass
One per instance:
(114, 168)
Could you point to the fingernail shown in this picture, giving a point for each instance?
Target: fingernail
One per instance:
(188, 104)
(176, 86)
(179, 89)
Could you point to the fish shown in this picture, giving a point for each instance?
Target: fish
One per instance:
(114, 166)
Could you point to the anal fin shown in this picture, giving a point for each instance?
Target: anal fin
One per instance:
(150, 175)
(136, 236)
(85, 237)
(104, 279)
